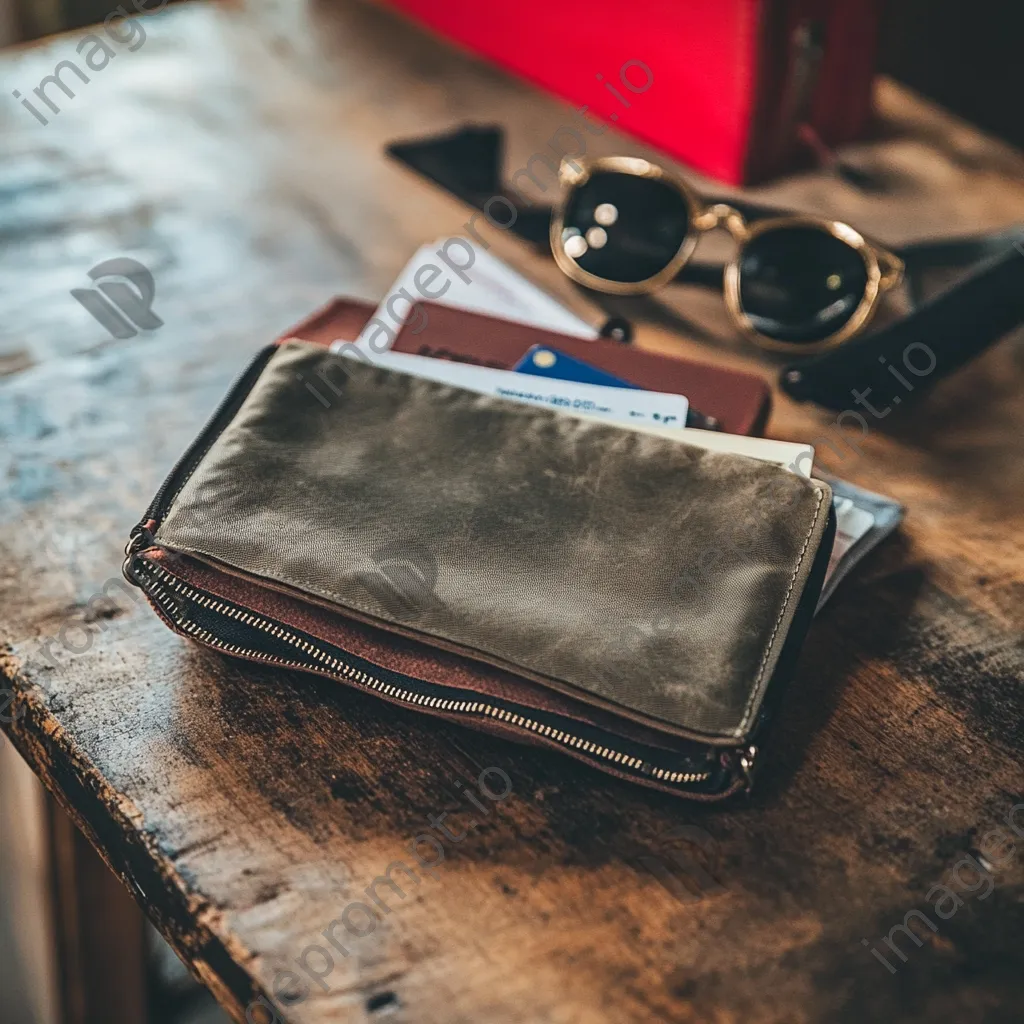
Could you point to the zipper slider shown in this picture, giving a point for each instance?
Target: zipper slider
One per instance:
(140, 537)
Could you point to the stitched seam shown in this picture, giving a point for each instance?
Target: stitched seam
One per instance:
(785, 604)
(195, 466)
(206, 451)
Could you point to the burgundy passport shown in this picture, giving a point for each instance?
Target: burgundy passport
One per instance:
(739, 401)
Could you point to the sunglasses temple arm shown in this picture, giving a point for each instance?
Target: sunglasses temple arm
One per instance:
(920, 257)
(959, 252)
(922, 349)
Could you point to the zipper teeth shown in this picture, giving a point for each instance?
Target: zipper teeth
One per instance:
(341, 668)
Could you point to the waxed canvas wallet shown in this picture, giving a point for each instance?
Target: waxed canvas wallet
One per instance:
(628, 599)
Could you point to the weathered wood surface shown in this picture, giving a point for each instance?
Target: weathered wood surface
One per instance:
(239, 157)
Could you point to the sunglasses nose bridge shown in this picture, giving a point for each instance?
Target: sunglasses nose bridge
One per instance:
(722, 215)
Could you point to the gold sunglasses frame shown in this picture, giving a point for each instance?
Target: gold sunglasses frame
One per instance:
(884, 268)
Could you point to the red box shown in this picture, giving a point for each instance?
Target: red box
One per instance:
(722, 85)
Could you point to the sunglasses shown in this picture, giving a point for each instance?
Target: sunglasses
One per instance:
(796, 284)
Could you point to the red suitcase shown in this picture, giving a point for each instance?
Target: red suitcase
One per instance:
(729, 87)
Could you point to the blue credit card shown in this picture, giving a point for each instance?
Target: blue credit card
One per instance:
(545, 361)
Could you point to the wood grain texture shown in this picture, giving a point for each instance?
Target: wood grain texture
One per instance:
(238, 154)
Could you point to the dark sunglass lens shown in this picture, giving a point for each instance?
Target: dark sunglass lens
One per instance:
(800, 284)
(624, 228)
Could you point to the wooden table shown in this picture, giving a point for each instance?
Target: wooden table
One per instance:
(238, 154)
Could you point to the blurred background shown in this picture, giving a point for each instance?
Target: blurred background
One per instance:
(963, 53)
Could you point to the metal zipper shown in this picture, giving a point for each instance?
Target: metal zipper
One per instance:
(330, 665)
